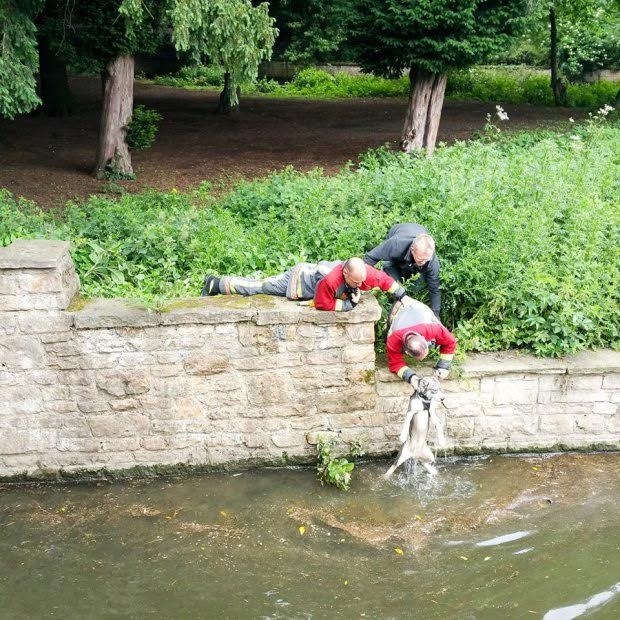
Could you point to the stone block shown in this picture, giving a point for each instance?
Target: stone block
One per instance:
(591, 423)
(612, 381)
(557, 425)
(393, 388)
(604, 408)
(553, 383)
(345, 400)
(123, 382)
(268, 388)
(615, 397)
(358, 354)
(13, 441)
(361, 333)
(205, 364)
(153, 442)
(39, 322)
(325, 356)
(586, 382)
(505, 426)
(459, 428)
(118, 425)
(518, 392)
(580, 396)
(287, 439)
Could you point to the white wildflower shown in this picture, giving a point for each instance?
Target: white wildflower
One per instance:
(575, 137)
(501, 114)
(571, 119)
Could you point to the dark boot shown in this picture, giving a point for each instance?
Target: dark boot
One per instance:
(211, 286)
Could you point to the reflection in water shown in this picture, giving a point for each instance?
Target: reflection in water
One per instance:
(574, 611)
(500, 540)
(275, 544)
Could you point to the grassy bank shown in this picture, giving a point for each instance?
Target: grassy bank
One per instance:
(503, 84)
(528, 231)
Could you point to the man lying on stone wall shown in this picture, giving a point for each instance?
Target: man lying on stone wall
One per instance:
(412, 329)
(409, 252)
(331, 285)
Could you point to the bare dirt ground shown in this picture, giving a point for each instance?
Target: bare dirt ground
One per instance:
(50, 160)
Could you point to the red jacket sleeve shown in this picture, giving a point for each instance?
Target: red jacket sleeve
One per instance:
(380, 279)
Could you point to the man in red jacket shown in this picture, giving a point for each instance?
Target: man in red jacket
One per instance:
(413, 327)
(329, 285)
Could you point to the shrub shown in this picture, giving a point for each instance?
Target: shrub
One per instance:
(506, 84)
(528, 231)
(142, 128)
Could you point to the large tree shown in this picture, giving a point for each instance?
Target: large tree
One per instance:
(232, 34)
(428, 38)
(18, 57)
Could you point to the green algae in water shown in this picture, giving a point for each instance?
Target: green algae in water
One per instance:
(491, 537)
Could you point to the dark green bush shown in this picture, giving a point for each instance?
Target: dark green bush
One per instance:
(528, 231)
(142, 128)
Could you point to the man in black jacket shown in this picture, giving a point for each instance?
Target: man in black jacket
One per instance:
(409, 251)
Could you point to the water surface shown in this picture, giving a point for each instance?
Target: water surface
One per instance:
(497, 537)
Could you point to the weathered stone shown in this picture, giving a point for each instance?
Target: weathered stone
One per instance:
(268, 388)
(580, 396)
(557, 425)
(587, 382)
(199, 364)
(358, 354)
(604, 408)
(517, 392)
(612, 381)
(324, 356)
(361, 333)
(505, 426)
(118, 425)
(287, 439)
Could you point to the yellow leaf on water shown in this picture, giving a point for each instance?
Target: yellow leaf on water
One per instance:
(536, 468)
(302, 530)
(463, 557)
(399, 551)
(346, 583)
(224, 514)
(487, 558)
(418, 517)
(168, 517)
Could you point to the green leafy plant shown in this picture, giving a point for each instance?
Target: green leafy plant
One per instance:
(330, 469)
(142, 128)
(509, 215)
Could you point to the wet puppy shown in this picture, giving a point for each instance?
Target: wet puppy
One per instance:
(420, 414)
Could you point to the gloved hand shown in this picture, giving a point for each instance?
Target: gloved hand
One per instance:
(406, 300)
(441, 373)
(356, 295)
(414, 380)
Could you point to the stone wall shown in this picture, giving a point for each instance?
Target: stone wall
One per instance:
(228, 380)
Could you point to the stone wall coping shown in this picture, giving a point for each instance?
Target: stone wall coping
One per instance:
(477, 365)
(509, 362)
(259, 309)
(33, 254)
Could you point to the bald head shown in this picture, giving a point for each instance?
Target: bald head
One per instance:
(422, 249)
(415, 345)
(354, 272)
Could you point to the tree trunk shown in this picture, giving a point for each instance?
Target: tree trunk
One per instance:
(426, 95)
(112, 150)
(226, 105)
(54, 83)
(557, 83)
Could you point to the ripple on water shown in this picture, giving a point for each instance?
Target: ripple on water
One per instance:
(574, 611)
(500, 540)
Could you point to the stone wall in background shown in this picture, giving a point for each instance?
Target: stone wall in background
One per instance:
(228, 380)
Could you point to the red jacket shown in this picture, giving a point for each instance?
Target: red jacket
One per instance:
(332, 293)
